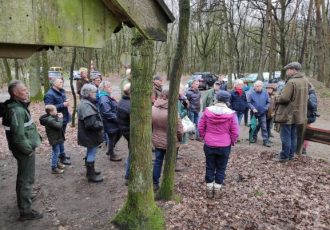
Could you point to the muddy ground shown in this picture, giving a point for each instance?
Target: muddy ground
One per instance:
(259, 193)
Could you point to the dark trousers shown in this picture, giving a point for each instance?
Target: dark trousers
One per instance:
(113, 139)
(246, 116)
(24, 181)
(288, 135)
(262, 123)
(128, 160)
(62, 154)
(158, 164)
(216, 163)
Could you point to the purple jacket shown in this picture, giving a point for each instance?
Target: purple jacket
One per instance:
(218, 126)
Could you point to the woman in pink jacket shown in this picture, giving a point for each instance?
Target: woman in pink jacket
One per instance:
(219, 129)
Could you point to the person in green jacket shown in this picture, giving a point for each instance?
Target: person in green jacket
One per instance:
(53, 122)
(209, 97)
(23, 138)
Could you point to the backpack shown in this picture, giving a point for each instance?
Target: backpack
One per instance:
(312, 104)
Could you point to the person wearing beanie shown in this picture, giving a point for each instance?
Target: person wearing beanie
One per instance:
(291, 109)
(219, 130)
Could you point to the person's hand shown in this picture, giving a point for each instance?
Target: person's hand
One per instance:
(66, 103)
(254, 111)
(60, 115)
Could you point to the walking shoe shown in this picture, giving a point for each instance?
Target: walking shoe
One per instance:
(281, 160)
(304, 152)
(217, 190)
(57, 171)
(65, 161)
(209, 190)
(156, 187)
(33, 215)
(267, 144)
(60, 165)
(115, 157)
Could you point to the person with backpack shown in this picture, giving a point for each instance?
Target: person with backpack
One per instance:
(23, 138)
(312, 114)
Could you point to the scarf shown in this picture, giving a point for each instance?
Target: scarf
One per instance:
(239, 91)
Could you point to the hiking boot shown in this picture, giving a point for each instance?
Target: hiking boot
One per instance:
(96, 172)
(115, 157)
(267, 144)
(281, 160)
(209, 190)
(156, 187)
(126, 182)
(60, 165)
(57, 171)
(304, 151)
(91, 176)
(217, 190)
(33, 215)
(65, 161)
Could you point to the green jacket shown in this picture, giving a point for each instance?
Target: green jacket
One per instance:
(54, 128)
(208, 99)
(291, 104)
(21, 132)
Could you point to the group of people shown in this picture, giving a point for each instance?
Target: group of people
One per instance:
(102, 119)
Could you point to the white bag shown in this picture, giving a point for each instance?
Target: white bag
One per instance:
(188, 125)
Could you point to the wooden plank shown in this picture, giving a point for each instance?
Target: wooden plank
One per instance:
(147, 15)
(317, 135)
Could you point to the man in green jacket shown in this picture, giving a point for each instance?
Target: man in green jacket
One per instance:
(209, 97)
(291, 109)
(23, 138)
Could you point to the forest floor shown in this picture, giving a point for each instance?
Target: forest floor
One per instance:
(258, 193)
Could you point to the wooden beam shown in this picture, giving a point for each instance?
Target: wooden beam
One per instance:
(317, 135)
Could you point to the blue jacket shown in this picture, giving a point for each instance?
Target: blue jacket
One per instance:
(108, 110)
(238, 103)
(57, 98)
(194, 98)
(259, 101)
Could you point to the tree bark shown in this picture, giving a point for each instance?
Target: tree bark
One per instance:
(306, 26)
(8, 70)
(45, 68)
(319, 42)
(167, 186)
(34, 79)
(74, 55)
(140, 210)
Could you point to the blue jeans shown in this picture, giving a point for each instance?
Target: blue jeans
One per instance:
(158, 164)
(193, 116)
(262, 123)
(239, 117)
(91, 153)
(127, 166)
(289, 141)
(55, 153)
(216, 163)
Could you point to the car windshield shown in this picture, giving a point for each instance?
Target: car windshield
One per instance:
(54, 74)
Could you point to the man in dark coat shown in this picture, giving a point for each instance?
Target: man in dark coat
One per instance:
(291, 109)
(123, 118)
(194, 97)
(23, 138)
(56, 96)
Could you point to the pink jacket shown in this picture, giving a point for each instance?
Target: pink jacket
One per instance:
(218, 126)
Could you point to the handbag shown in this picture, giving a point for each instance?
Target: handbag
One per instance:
(188, 125)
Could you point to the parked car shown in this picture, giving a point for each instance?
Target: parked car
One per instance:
(206, 79)
(54, 74)
(76, 74)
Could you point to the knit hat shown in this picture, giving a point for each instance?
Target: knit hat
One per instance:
(293, 65)
(223, 96)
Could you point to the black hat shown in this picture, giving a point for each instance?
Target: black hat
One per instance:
(223, 96)
(157, 77)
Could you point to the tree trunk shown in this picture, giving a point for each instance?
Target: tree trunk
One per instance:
(7, 68)
(140, 210)
(45, 68)
(34, 79)
(326, 44)
(264, 42)
(282, 37)
(166, 190)
(306, 26)
(319, 42)
(74, 55)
